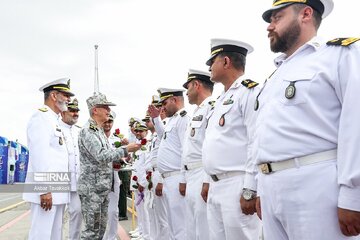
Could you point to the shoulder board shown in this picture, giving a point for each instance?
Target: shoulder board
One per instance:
(211, 103)
(183, 113)
(249, 83)
(342, 41)
(93, 127)
(43, 109)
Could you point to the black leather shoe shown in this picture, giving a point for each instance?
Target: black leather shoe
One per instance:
(123, 218)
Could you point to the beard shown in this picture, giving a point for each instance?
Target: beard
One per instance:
(73, 120)
(284, 42)
(61, 105)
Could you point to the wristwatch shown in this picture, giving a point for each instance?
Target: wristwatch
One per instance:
(248, 194)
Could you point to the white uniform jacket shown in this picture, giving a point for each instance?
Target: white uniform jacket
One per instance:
(322, 115)
(228, 137)
(171, 145)
(71, 133)
(47, 152)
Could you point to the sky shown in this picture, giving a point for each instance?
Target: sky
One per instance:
(143, 45)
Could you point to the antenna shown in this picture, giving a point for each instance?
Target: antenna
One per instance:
(96, 79)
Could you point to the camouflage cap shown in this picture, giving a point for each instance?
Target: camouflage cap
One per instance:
(98, 99)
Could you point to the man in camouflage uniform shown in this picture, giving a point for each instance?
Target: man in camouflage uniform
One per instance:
(96, 157)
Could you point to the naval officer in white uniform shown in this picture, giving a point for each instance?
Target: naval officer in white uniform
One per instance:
(227, 144)
(48, 153)
(169, 158)
(71, 132)
(308, 131)
(199, 90)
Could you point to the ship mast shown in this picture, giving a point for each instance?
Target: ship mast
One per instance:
(96, 78)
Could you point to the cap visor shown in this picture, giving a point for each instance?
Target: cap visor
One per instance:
(106, 104)
(67, 92)
(267, 14)
(209, 62)
(185, 85)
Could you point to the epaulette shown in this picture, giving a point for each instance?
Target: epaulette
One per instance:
(249, 83)
(342, 41)
(93, 127)
(212, 103)
(44, 109)
(183, 113)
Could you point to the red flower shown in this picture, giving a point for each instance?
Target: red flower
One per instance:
(117, 131)
(135, 178)
(148, 178)
(143, 141)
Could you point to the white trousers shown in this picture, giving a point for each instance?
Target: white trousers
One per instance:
(225, 218)
(301, 203)
(113, 211)
(196, 217)
(142, 216)
(175, 207)
(46, 225)
(75, 216)
(159, 227)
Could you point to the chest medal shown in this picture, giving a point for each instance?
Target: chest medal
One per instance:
(192, 133)
(290, 91)
(222, 120)
(256, 104)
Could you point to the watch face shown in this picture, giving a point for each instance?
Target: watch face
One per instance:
(248, 195)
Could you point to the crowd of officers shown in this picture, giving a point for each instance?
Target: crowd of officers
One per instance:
(280, 162)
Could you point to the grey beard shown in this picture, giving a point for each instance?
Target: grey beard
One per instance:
(62, 106)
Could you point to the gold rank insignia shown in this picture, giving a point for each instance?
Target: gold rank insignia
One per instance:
(342, 41)
(44, 109)
(249, 83)
(93, 127)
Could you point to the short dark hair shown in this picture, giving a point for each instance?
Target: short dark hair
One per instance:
(316, 15)
(207, 85)
(238, 60)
